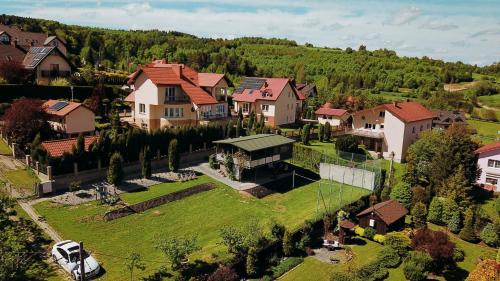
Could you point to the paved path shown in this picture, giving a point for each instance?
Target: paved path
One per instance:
(28, 208)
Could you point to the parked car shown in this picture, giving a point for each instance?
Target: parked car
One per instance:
(67, 255)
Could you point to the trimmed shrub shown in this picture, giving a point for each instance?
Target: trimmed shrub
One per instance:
(211, 161)
(115, 169)
(321, 132)
(489, 235)
(402, 193)
(468, 233)
(369, 233)
(359, 231)
(306, 131)
(173, 156)
(285, 266)
(379, 238)
(288, 245)
(399, 242)
(418, 215)
(372, 271)
(435, 211)
(454, 222)
(389, 258)
(327, 132)
(458, 255)
(416, 266)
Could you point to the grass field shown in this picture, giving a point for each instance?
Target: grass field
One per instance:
(202, 215)
(4, 148)
(21, 179)
(492, 101)
(323, 271)
(487, 132)
(327, 148)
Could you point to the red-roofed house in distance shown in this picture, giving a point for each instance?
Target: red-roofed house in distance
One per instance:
(171, 94)
(335, 116)
(390, 129)
(70, 118)
(276, 99)
(489, 163)
(56, 148)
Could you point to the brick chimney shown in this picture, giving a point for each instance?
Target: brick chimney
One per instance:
(396, 103)
(177, 69)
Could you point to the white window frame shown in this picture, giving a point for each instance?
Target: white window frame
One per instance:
(490, 180)
(142, 108)
(265, 107)
(220, 109)
(246, 107)
(492, 163)
(372, 223)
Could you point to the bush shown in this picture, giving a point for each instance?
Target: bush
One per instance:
(435, 210)
(372, 271)
(489, 235)
(458, 255)
(327, 132)
(224, 273)
(285, 266)
(468, 233)
(115, 169)
(418, 215)
(75, 185)
(306, 134)
(173, 156)
(399, 242)
(454, 222)
(369, 233)
(389, 258)
(347, 143)
(211, 161)
(359, 231)
(379, 238)
(60, 82)
(416, 266)
(402, 193)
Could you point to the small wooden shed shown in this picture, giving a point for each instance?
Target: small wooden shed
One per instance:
(384, 217)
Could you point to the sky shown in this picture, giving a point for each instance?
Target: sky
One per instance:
(467, 31)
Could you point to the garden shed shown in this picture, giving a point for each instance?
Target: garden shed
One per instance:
(383, 217)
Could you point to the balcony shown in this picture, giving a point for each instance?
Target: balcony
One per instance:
(210, 116)
(252, 163)
(55, 73)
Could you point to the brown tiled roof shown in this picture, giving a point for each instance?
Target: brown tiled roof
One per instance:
(409, 111)
(389, 211)
(327, 109)
(270, 90)
(209, 79)
(347, 224)
(24, 39)
(63, 111)
(488, 148)
(56, 148)
(10, 53)
(448, 117)
(176, 74)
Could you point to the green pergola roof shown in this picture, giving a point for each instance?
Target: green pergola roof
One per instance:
(257, 142)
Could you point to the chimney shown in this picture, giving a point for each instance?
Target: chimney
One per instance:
(177, 69)
(396, 103)
(14, 42)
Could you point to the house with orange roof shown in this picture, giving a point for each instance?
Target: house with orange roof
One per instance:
(390, 129)
(171, 94)
(488, 160)
(56, 148)
(275, 99)
(334, 116)
(70, 118)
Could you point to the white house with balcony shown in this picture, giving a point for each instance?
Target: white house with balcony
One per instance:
(389, 129)
(489, 164)
(171, 94)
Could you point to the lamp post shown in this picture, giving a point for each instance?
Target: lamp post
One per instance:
(71, 87)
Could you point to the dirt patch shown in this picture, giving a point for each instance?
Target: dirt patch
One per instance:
(259, 191)
(156, 213)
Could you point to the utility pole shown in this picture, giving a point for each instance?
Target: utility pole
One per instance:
(82, 263)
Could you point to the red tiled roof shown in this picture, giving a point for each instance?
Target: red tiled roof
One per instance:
(389, 211)
(63, 111)
(209, 79)
(11, 53)
(327, 110)
(176, 74)
(57, 148)
(130, 97)
(409, 111)
(347, 224)
(271, 90)
(488, 148)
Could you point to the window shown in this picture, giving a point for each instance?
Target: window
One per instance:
(381, 126)
(381, 114)
(370, 126)
(265, 107)
(372, 222)
(493, 163)
(220, 109)
(4, 38)
(173, 112)
(142, 108)
(246, 107)
(170, 94)
(413, 130)
(492, 181)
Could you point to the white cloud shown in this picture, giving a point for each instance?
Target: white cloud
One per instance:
(404, 16)
(439, 25)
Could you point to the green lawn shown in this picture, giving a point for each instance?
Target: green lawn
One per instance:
(161, 189)
(487, 132)
(492, 101)
(489, 208)
(22, 179)
(4, 148)
(323, 271)
(327, 148)
(202, 215)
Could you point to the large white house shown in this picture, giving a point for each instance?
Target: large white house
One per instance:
(275, 99)
(172, 94)
(391, 128)
(489, 163)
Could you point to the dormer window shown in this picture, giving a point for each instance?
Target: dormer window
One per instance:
(381, 114)
(170, 94)
(4, 38)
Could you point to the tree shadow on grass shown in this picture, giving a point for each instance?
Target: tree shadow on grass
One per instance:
(456, 274)
(357, 241)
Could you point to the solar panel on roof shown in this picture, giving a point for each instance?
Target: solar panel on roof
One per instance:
(251, 83)
(58, 106)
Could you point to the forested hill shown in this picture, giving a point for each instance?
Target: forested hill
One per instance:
(333, 70)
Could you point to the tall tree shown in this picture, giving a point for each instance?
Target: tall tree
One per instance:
(146, 162)
(115, 169)
(173, 156)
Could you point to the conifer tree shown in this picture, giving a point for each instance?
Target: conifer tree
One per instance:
(327, 132)
(468, 233)
(173, 156)
(115, 170)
